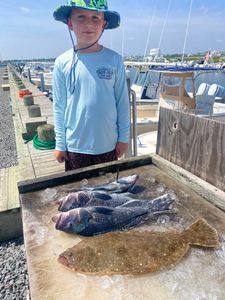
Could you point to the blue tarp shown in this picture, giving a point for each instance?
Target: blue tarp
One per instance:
(183, 69)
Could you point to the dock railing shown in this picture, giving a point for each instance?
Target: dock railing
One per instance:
(133, 113)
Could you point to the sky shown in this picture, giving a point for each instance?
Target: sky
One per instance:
(28, 30)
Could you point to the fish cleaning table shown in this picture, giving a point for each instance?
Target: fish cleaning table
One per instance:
(199, 275)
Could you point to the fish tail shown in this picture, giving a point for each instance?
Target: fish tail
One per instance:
(202, 234)
(160, 204)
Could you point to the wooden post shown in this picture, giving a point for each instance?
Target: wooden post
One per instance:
(42, 82)
(28, 74)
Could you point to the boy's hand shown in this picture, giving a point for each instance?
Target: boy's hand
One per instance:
(121, 148)
(60, 156)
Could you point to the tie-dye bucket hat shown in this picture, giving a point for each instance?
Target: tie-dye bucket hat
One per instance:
(62, 12)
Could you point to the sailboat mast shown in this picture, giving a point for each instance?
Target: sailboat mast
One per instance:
(164, 24)
(123, 38)
(187, 28)
(150, 28)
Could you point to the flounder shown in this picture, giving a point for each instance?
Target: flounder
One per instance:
(133, 252)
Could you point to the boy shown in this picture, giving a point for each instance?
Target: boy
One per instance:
(90, 98)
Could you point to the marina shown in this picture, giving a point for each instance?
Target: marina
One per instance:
(146, 80)
(30, 163)
(33, 163)
(176, 150)
(150, 225)
(37, 172)
(27, 162)
(194, 199)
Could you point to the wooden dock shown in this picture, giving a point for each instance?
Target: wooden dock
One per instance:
(195, 144)
(32, 163)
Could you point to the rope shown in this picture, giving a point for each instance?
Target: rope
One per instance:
(40, 145)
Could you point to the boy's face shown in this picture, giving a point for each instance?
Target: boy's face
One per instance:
(87, 25)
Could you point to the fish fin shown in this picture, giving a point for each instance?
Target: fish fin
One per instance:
(160, 204)
(200, 233)
(128, 195)
(135, 222)
(102, 196)
(103, 210)
(132, 203)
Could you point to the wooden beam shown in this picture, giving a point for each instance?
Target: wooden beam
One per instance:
(193, 143)
(201, 187)
(88, 172)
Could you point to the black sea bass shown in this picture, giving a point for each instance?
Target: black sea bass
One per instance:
(92, 198)
(121, 185)
(93, 220)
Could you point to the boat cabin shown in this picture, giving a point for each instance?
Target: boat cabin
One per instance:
(173, 90)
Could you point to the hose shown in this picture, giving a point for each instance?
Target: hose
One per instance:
(41, 145)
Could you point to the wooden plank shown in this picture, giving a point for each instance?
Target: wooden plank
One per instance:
(43, 158)
(44, 162)
(201, 187)
(193, 143)
(24, 169)
(46, 167)
(10, 224)
(10, 219)
(178, 74)
(5, 87)
(13, 195)
(88, 172)
(3, 189)
(49, 280)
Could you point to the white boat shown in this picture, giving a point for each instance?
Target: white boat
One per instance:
(175, 90)
(39, 74)
(148, 80)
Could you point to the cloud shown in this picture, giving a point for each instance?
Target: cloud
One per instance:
(25, 9)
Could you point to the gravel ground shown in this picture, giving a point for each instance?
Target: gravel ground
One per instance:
(13, 266)
(8, 153)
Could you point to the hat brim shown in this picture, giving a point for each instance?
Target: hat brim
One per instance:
(62, 14)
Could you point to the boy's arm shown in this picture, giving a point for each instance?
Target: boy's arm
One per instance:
(123, 110)
(60, 156)
(121, 148)
(59, 107)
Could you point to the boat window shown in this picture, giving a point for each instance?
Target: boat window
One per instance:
(141, 79)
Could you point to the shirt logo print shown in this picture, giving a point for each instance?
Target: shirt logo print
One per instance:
(105, 73)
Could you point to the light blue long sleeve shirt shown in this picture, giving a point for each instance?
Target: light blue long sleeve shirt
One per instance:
(94, 116)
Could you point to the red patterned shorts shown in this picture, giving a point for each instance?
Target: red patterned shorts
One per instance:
(80, 160)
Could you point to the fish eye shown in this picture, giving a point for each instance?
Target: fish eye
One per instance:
(70, 225)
